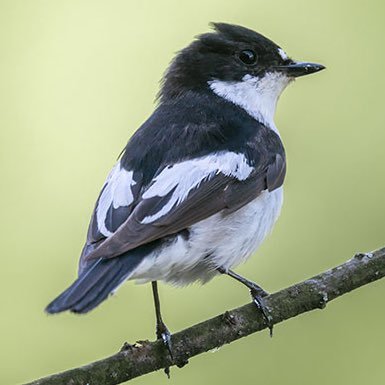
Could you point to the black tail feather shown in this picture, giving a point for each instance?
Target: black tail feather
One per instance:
(97, 282)
(88, 304)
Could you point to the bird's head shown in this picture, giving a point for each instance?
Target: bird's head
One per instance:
(233, 61)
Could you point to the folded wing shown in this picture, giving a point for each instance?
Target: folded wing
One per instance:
(127, 215)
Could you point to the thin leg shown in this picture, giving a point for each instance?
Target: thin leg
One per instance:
(161, 329)
(257, 294)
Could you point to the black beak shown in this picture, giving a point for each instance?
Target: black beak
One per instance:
(296, 69)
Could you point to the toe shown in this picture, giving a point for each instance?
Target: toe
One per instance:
(166, 338)
(260, 303)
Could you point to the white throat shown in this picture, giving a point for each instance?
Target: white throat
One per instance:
(257, 96)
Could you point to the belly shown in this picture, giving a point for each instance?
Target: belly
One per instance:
(222, 240)
(230, 239)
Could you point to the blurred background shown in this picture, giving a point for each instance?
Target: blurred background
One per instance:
(78, 77)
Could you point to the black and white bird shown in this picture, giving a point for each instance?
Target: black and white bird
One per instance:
(199, 185)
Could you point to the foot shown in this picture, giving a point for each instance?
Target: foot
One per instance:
(258, 294)
(164, 334)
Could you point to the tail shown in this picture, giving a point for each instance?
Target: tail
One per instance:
(96, 282)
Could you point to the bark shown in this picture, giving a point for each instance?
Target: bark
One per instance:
(145, 357)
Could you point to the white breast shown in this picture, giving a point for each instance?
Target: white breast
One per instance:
(222, 240)
(231, 239)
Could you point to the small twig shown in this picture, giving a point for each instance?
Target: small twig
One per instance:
(145, 357)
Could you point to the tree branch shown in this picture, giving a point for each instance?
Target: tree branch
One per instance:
(145, 357)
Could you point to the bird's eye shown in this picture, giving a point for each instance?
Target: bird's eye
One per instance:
(248, 56)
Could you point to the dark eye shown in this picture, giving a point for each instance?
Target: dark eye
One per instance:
(248, 56)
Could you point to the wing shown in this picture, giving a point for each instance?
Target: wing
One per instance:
(179, 196)
(115, 203)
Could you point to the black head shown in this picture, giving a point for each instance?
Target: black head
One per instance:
(228, 54)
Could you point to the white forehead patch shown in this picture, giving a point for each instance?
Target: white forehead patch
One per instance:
(283, 54)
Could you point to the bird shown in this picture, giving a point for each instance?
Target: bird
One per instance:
(199, 185)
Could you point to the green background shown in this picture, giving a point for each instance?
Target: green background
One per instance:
(78, 77)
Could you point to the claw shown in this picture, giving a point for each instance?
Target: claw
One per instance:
(257, 296)
(166, 338)
(164, 334)
(167, 372)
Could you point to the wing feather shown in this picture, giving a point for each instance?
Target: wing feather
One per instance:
(190, 191)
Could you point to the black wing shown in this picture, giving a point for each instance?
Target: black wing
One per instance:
(179, 196)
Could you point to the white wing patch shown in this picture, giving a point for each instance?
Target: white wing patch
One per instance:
(117, 191)
(185, 176)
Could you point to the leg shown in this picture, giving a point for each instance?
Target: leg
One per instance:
(257, 294)
(161, 329)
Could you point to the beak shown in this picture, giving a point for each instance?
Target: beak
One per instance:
(296, 69)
